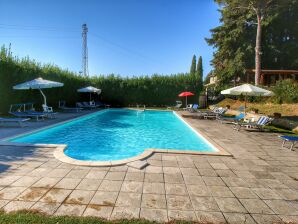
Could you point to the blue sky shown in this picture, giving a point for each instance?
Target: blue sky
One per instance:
(126, 37)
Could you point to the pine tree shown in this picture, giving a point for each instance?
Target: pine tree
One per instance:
(199, 74)
(193, 65)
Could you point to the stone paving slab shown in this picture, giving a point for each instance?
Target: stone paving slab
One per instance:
(257, 185)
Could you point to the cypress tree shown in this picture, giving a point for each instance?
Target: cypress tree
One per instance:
(199, 73)
(193, 65)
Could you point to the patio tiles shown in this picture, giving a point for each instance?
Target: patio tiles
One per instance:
(177, 202)
(154, 201)
(196, 180)
(230, 205)
(3, 202)
(243, 192)
(213, 181)
(182, 215)
(125, 213)
(129, 200)
(32, 194)
(70, 209)
(55, 195)
(154, 177)
(282, 207)
(58, 172)
(47, 182)
(220, 191)
(266, 193)
(10, 193)
(210, 217)
(17, 205)
(289, 218)
(68, 183)
(96, 174)
(9, 179)
(153, 169)
(207, 172)
(80, 197)
(110, 185)
(98, 211)
(25, 181)
(168, 163)
(256, 206)
(104, 198)
(46, 208)
(89, 184)
(132, 186)
(176, 189)
(239, 218)
(261, 219)
(115, 176)
(173, 178)
(158, 215)
(134, 176)
(196, 190)
(77, 173)
(154, 188)
(204, 203)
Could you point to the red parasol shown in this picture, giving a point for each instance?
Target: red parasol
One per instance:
(186, 94)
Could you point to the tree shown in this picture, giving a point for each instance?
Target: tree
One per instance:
(238, 42)
(193, 65)
(199, 73)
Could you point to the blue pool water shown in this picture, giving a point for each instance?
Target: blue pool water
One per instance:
(116, 134)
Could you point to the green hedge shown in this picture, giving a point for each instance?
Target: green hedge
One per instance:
(156, 90)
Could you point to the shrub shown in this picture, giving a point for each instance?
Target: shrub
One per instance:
(286, 91)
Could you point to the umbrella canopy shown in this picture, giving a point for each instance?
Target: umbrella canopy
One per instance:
(39, 84)
(89, 89)
(247, 90)
(186, 94)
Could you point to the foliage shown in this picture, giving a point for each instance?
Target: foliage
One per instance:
(155, 90)
(193, 65)
(234, 39)
(199, 73)
(286, 91)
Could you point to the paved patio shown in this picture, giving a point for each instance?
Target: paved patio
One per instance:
(258, 185)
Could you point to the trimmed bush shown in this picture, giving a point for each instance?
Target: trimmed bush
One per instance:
(286, 91)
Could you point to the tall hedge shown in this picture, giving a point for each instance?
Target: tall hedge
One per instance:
(155, 90)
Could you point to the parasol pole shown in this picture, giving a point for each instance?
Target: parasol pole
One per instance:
(44, 97)
(186, 102)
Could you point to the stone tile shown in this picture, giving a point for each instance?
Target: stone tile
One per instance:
(158, 215)
(220, 191)
(225, 173)
(281, 207)
(234, 182)
(115, 176)
(17, 205)
(230, 205)
(208, 172)
(176, 189)
(134, 176)
(210, 217)
(243, 192)
(219, 166)
(197, 180)
(168, 157)
(68, 183)
(153, 162)
(10, 193)
(125, 213)
(266, 193)
(98, 211)
(239, 218)
(182, 215)
(58, 173)
(7, 180)
(128, 200)
(55, 195)
(132, 186)
(25, 181)
(154, 177)
(96, 174)
(243, 174)
(80, 197)
(204, 203)
(46, 182)
(154, 188)
(46, 208)
(70, 210)
(273, 184)
(290, 219)
(122, 168)
(186, 164)
(39, 172)
(110, 185)
(32, 194)
(256, 206)
(3, 202)
(154, 169)
(153, 201)
(77, 173)
(177, 202)
(261, 219)
(89, 184)
(168, 163)
(288, 194)
(198, 190)
(171, 170)
(189, 172)
(174, 178)
(213, 181)
(104, 198)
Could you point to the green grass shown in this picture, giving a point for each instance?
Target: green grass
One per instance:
(274, 129)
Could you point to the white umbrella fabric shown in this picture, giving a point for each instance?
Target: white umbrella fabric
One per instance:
(247, 90)
(39, 84)
(89, 89)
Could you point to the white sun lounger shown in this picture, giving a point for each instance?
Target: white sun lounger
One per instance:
(19, 121)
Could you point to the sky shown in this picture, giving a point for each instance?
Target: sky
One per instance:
(125, 37)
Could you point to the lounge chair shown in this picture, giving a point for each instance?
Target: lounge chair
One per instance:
(259, 124)
(237, 118)
(68, 109)
(215, 114)
(19, 121)
(176, 107)
(188, 107)
(291, 139)
(27, 114)
(85, 105)
(194, 108)
(48, 111)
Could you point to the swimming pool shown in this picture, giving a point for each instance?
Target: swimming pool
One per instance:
(117, 134)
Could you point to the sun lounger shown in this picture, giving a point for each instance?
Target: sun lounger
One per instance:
(237, 118)
(259, 124)
(48, 111)
(68, 109)
(35, 115)
(291, 139)
(19, 121)
(189, 106)
(214, 114)
(85, 105)
(176, 107)
(194, 108)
